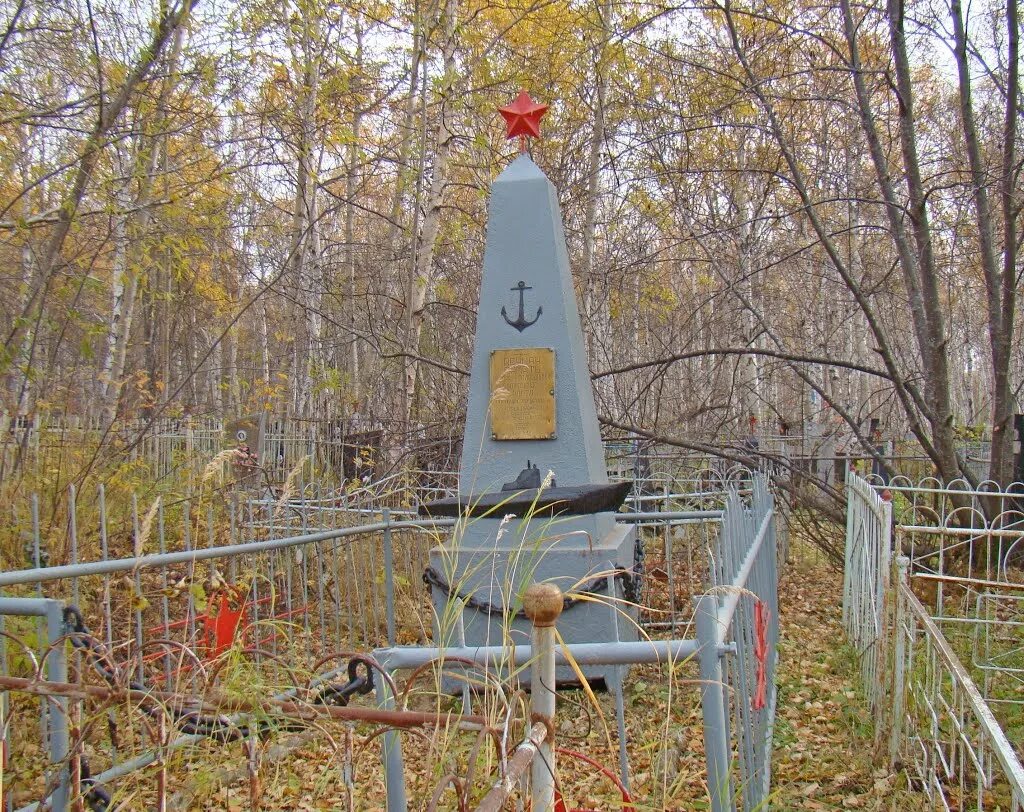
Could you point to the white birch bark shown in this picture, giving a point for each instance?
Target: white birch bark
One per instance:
(126, 280)
(264, 334)
(422, 279)
(119, 287)
(351, 186)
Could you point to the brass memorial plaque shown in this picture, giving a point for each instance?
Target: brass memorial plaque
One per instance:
(523, 394)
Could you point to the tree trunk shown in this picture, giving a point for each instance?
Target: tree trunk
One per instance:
(351, 187)
(86, 164)
(421, 280)
(596, 316)
(1000, 280)
(402, 169)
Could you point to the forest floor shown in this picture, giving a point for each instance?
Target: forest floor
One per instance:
(825, 757)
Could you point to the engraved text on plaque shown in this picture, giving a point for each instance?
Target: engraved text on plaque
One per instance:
(523, 394)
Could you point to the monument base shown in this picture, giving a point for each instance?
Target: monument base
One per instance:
(489, 579)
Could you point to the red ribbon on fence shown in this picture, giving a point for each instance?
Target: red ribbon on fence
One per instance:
(761, 616)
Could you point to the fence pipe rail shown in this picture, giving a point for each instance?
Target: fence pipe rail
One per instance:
(137, 563)
(222, 701)
(404, 658)
(965, 532)
(1000, 745)
(895, 486)
(38, 575)
(732, 596)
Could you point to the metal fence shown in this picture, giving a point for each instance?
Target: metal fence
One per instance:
(740, 613)
(734, 645)
(167, 593)
(175, 448)
(294, 605)
(952, 743)
(940, 643)
(165, 446)
(866, 585)
(163, 722)
(954, 529)
(966, 548)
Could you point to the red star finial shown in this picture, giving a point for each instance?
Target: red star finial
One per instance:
(522, 118)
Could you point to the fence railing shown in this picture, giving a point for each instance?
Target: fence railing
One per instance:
(923, 639)
(954, 529)
(866, 585)
(347, 448)
(299, 599)
(741, 615)
(955, 748)
(735, 648)
(678, 528)
(176, 447)
(966, 550)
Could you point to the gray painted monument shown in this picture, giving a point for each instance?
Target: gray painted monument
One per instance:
(530, 422)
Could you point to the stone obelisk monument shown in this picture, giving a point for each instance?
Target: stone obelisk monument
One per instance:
(535, 500)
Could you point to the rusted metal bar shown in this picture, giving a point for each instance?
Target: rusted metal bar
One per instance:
(518, 764)
(216, 701)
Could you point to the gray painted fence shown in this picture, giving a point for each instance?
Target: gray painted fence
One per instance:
(342, 588)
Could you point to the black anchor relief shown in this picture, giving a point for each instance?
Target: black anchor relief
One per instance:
(521, 322)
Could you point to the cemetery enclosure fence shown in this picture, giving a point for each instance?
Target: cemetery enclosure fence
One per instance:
(932, 605)
(163, 618)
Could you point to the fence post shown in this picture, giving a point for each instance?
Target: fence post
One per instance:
(669, 563)
(57, 671)
(853, 504)
(885, 537)
(460, 639)
(899, 661)
(389, 577)
(716, 737)
(542, 604)
(391, 753)
(615, 683)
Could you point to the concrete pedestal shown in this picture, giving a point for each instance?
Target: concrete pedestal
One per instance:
(492, 576)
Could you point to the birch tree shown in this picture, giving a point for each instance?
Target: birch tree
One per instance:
(421, 274)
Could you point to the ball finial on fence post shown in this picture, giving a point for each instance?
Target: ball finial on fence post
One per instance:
(542, 604)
